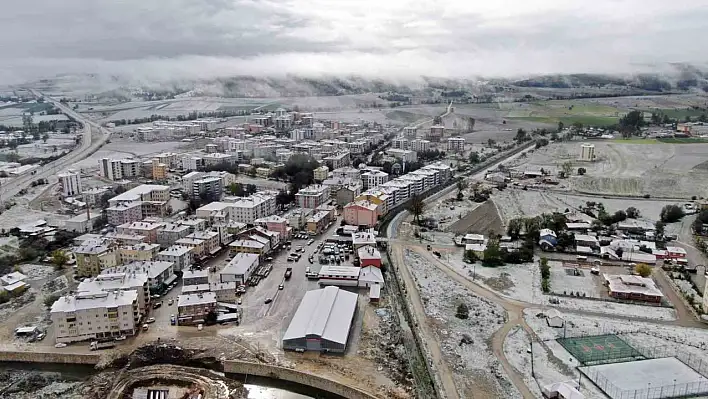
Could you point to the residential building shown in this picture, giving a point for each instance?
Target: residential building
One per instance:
(275, 223)
(159, 272)
(138, 252)
(82, 222)
(587, 152)
(436, 133)
(169, 233)
(195, 277)
(247, 247)
(95, 315)
(110, 169)
(297, 218)
(410, 132)
(361, 213)
(419, 145)
(248, 209)
(92, 258)
(239, 268)
(180, 256)
(124, 213)
(312, 196)
(92, 196)
(209, 187)
(456, 144)
(403, 155)
(633, 288)
(400, 143)
(373, 179)
(137, 282)
(147, 229)
(337, 161)
(318, 222)
(321, 173)
(212, 244)
(187, 181)
(347, 193)
(198, 247)
(70, 183)
(369, 255)
(194, 308)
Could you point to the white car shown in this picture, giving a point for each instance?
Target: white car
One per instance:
(60, 345)
(150, 320)
(200, 327)
(121, 338)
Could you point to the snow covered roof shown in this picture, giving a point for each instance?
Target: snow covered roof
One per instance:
(326, 313)
(553, 313)
(371, 274)
(562, 390)
(547, 232)
(632, 284)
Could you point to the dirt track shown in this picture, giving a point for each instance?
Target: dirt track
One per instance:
(482, 220)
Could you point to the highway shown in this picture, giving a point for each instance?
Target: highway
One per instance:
(94, 136)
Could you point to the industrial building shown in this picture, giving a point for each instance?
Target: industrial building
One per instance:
(322, 321)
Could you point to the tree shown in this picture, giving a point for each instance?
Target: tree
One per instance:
(463, 312)
(532, 227)
(581, 171)
(470, 256)
(521, 136)
(633, 213)
(561, 126)
(671, 213)
(236, 189)
(417, 208)
(474, 157)
(461, 186)
(59, 259)
(210, 318)
(567, 168)
(513, 230)
(492, 254)
(49, 300)
(642, 269)
(659, 228)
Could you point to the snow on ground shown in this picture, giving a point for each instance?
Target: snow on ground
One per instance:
(127, 149)
(36, 272)
(473, 364)
(563, 280)
(18, 215)
(614, 308)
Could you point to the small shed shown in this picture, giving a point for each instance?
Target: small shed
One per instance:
(562, 390)
(370, 276)
(554, 318)
(375, 293)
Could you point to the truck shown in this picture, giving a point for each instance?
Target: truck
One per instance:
(96, 345)
(288, 273)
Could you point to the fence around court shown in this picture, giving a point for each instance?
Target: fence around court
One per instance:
(695, 362)
(650, 392)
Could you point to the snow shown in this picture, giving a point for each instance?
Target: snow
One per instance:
(36, 272)
(475, 361)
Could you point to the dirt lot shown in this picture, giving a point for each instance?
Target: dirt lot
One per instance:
(658, 169)
(482, 220)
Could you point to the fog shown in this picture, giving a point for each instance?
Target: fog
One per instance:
(149, 41)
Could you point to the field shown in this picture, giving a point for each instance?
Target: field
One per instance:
(630, 168)
(600, 349)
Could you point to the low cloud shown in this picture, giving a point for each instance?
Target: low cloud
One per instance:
(183, 39)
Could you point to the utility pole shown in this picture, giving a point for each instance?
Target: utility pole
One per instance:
(531, 345)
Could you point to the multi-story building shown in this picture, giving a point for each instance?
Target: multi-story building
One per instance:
(158, 272)
(95, 315)
(212, 244)
(120, 282)
(130, 168)
(339, 160)
(191, 162)
(346, 193)
(124, 213)
(197, 246)
(211, 187)
(159, 170)
(400, 143)
(147, 229)
(194, 308)
(169, 233)
(456, 144)
(374, 178)
(179, 255)
(410, 132)
(317, 223)
(403, 155)
(321, 173)
(137, 252)
(239, 268)
(247, 247)
(361, 213)
(70, 183)
(247, 210)
(92, 258)
(419, 145)
(312, 196)
(217, 158)
(111, 168)
(92, 196)
(436, 133)
(195, 277)
(152, 199)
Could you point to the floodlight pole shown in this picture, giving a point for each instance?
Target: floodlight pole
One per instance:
(531, 344)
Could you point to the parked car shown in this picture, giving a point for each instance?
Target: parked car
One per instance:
(156, 305)
(200, 327)
(173, 319)
(121, 338)
(150, 320)
(281, 286)
(268, 300)
(170, 302)
(60, 345)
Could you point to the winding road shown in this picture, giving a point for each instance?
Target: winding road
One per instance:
(94, 136)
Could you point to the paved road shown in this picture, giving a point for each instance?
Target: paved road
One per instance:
(94, 136)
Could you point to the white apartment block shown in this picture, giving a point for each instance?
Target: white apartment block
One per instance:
(373, 178)
(137, 282)
(456, 144)
(410, 132)
(171, 232)
(70, 183)
(419, 145)
(248, 209)
(400, 143)
(321, 173)
(191, 162)
(111, 169)
(403, 155)
(95, 315)
(124, 213)
(181, 256)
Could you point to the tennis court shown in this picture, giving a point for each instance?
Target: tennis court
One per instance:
(600, 349)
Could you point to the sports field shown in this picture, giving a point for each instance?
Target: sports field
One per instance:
(600, 349)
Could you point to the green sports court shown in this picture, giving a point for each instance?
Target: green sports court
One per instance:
(600, 349)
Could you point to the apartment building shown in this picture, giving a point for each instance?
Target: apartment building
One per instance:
(195, 277)
(312, 196)
(339, 160)
(361, 213)
(403, 155)
(373, 179)
(111, 168)
(321, 173)
(180, 256)
(124, 213)
(217, 158)
(210, 187)
(456, 144)
(419, 145)
(247, 210)
(120, 282)
(191, 162)
(248, 247)
(410, 132)
(193, 308)
(70, 183)
(212, 244)
(130, 168)
(92, 196)
(137, 252)
(92, 258)
(158, 272)
(169, 233)
(152, 199)
(147, 229)
(197, 246)
(239, 268)
(95, 315)
(436, 132)
(400, 143)
(277, 224)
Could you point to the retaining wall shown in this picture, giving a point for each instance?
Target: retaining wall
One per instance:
(49, 357)
(298, 377)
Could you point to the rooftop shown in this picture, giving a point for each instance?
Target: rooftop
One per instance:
(93, 300)
(326, 313)
(196, 299)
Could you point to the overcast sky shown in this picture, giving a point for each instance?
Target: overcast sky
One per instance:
(159, 39)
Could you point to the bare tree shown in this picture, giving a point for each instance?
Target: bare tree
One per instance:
(417, 208)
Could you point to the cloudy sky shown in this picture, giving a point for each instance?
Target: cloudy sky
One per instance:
(161, 39)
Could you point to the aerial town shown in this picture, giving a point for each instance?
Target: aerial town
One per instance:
(459, 253)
